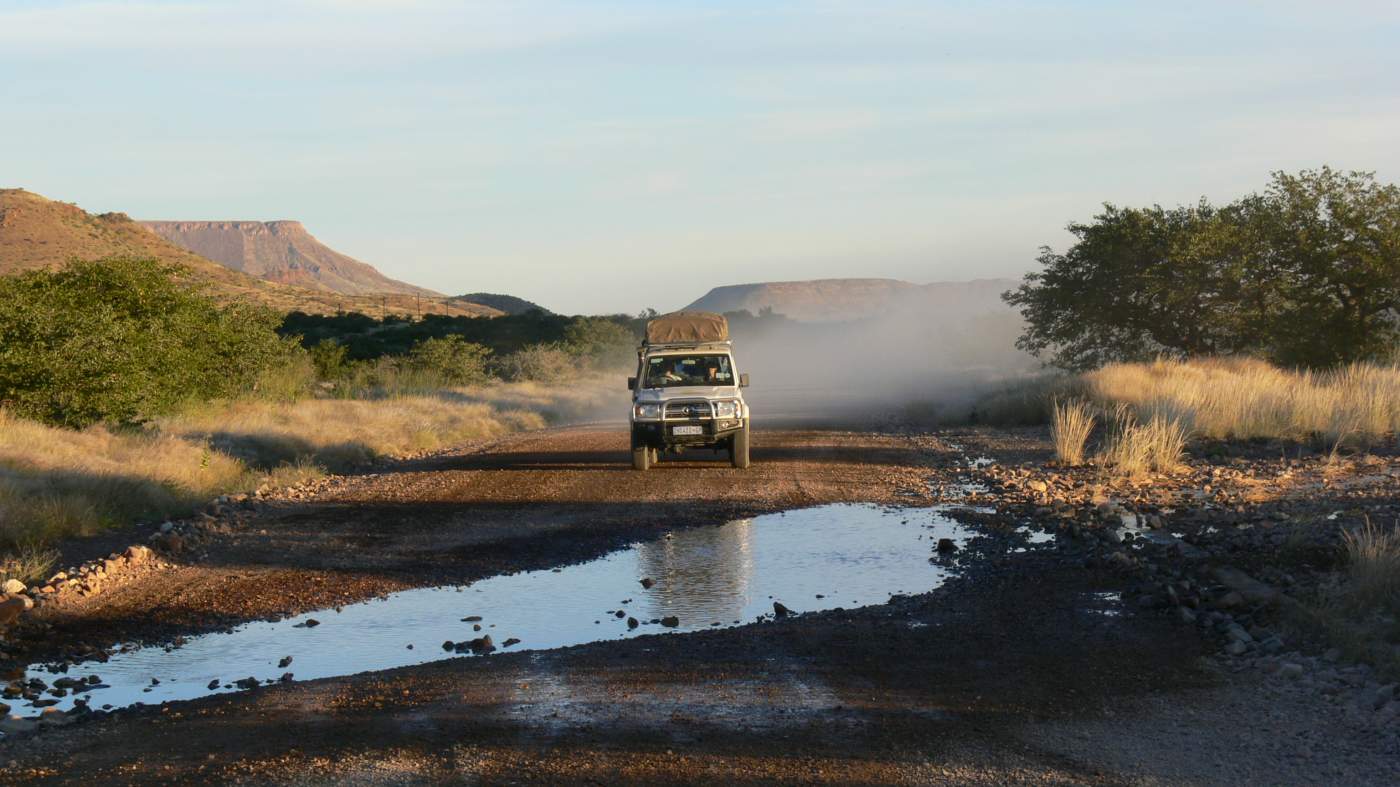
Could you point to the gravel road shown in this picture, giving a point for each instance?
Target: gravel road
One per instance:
(1008, 674)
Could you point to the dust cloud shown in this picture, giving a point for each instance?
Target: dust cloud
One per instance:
(912, 358)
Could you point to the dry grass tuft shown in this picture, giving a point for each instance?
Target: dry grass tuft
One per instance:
(1071, 423)
(1373, 567)
(1134, 448)
(1233, 398)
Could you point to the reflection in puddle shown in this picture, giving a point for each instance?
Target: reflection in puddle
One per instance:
(810, 559)
(1109, 605)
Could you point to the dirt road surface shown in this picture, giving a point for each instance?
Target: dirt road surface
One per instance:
(1003, 675)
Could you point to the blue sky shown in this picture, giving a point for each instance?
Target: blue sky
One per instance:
(609, 156)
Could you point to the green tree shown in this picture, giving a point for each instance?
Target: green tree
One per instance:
(456, 360)
(123, 340)
(601, 340)
(1306, 273)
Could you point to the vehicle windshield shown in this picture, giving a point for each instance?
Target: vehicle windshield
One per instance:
(672, 371)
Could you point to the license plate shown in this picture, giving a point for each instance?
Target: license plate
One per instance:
(687, 430)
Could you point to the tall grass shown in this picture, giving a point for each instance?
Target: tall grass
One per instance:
(1135, 447)
(1354, 406)
(1373, 567)
(57, 483)
(1071, 423)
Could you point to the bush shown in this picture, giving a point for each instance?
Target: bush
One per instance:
(330, 359)
(546, 363)
(455, 360)
(601, 341)
(122, 340)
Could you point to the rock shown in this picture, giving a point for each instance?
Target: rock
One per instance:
(285, 660)
(1037, 485)
(1186, 615)
(471, 619)
(286, 677)
(779, 610)
(482, 645)
(647, 582)
(14, 725)
(632, 623)
(510, 641)
(946, 545)
(136, 555)
(246, 683)
(1290, 670)
(1236, 648)
(1333, 655)
(11, 607)
(309, 623)
(1229, 600)
(213, 684)
(4, 709)
(13, 587)
(621, 614)
(1250, 589)
(449, 645)
(1128, 520)
(166, 527)
(670, 621)
(476, 627)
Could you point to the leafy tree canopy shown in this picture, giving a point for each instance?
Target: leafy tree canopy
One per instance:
(1306, 273)
(122, 340)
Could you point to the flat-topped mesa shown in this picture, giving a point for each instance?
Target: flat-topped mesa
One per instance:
(281, 251)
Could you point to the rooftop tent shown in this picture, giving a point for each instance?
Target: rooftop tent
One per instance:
(688, 327)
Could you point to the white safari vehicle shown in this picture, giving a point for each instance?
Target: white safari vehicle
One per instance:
(688, 392)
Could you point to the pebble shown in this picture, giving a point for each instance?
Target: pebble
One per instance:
(13, 587)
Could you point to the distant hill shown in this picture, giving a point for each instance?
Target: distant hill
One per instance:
(506, 303)
(844, 300)
(38, 233)
(283, 252)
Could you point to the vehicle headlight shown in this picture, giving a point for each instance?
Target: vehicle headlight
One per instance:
(648, 411)
(726, 409)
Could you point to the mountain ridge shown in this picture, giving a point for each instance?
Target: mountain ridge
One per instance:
(844, 300)
(38, 233)
(282, 251)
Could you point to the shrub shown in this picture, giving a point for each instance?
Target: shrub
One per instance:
(601, 341)
(547, 363)
(455, 360)
(1071, 422)
(329, 356)
(123, 340)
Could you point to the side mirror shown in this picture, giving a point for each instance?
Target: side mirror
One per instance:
(743, 379)
(631, 383)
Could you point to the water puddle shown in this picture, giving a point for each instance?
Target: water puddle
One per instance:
(690, 580)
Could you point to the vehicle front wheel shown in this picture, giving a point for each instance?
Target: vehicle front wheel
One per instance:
(641, 457)
(739, 449)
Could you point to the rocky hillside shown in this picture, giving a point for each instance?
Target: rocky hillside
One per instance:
(844, 300)
(283, 252)
(39, 233)
(506, 303)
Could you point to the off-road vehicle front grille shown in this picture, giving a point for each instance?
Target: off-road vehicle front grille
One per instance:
(692, 410)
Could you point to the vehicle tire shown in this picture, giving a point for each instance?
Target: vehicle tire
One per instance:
(641, 457)
(739, 449)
